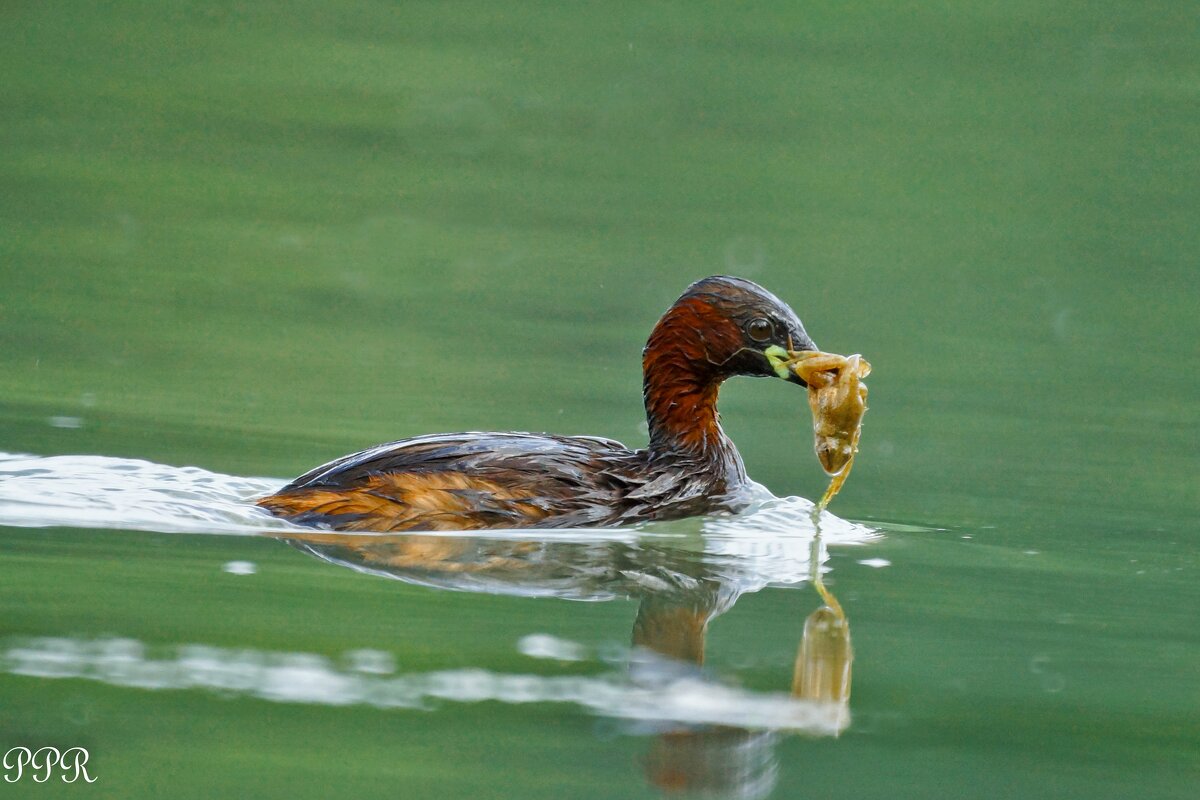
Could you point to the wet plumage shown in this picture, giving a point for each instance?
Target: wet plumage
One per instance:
(718, 328)
(467, 481)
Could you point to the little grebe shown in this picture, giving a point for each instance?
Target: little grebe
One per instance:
(718, 328)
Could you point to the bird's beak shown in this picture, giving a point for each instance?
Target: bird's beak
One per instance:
(781, 361)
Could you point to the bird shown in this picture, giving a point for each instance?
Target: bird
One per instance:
(718, 328)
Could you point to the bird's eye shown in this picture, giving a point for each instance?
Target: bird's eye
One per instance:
(760, 329)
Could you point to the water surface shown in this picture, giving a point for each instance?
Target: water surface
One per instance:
(240, 241)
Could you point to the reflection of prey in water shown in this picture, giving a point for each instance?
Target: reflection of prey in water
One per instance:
(709, 748)
(725, 760)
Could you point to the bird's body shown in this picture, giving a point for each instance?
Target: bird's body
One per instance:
(468, 481)
(718, 328)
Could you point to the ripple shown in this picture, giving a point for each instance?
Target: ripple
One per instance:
(308, 678)
(103, 492)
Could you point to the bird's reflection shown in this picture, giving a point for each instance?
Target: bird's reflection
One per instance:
(733, 761)
(680, 585)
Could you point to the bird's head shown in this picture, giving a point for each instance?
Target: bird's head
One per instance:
(727, 326)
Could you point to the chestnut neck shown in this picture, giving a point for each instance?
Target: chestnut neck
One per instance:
(680, 384)
(681, 409)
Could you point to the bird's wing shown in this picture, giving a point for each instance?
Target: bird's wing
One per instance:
(458, 482)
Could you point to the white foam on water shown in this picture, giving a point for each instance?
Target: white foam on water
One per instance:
(103, 492)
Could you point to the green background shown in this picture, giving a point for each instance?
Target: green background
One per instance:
(252, 237)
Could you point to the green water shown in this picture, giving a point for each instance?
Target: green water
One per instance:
(254, 239)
